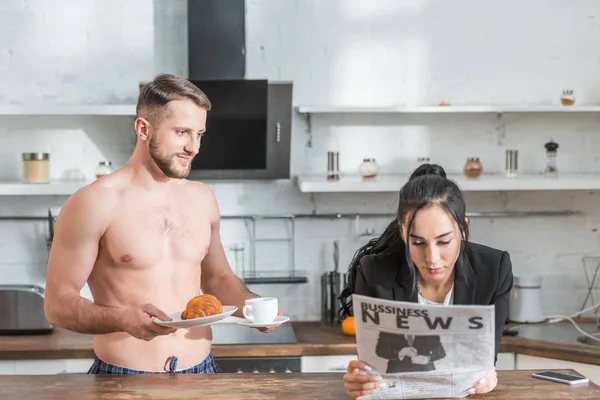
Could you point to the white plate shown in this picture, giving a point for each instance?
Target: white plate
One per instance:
(278, 321)
(177, 322)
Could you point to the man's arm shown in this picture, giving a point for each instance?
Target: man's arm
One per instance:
(79, 228)
(81, 224)
(217, 277)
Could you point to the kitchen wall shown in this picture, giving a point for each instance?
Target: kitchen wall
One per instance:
(336, 53)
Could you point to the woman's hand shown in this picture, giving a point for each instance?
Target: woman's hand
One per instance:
(359, 384)
(486, 384)
(407, 352)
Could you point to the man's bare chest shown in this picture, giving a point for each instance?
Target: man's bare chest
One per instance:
(146, 234)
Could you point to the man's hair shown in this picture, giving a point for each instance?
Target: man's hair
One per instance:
(155, 96)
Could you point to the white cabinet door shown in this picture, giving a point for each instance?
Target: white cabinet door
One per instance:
(7, 367)
(506, 361)
(531, 362)
(51, 367)
(326, 363)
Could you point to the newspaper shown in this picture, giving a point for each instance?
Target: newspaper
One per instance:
(424, 351)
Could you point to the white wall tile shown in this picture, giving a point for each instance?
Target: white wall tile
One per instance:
(336, 52)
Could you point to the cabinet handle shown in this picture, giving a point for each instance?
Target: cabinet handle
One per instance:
(278, 132)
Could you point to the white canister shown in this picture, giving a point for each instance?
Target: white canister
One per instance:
(526, 299)
(369, 169)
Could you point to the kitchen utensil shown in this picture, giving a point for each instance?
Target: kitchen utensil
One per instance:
(512, 163)
(335, 278)
(331, 283)
(280, 319)
(177, 322)
(551, 169)
(261, 309)
(526, 299)
(333, 166)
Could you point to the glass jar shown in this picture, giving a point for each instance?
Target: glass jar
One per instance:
(36, 167)
(567, 98)
(369, 169)
(103, 168)
(551, 170)
(473, 168)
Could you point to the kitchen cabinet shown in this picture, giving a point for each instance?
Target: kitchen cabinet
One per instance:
(326, 363)
(7, 367)
(45, 367)
(505, 361)
(532, 362)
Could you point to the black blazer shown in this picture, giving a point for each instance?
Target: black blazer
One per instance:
(390, 344)
(486, 278)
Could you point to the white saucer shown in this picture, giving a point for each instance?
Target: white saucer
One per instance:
(178, 323)
(278, 321)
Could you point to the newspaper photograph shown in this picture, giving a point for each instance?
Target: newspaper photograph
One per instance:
(424, 351)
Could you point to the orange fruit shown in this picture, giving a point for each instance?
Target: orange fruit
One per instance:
(348, 326)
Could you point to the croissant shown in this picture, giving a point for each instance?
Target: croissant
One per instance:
(202, 306)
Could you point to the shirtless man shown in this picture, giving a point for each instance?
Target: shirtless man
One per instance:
(146, 240)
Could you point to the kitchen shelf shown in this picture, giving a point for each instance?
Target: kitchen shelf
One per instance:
(40, 189)
(447, 109)
(68, 110)
(393, 183)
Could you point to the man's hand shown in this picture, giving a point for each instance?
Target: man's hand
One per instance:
(407, 352)
(272, 327)
(420, 360)
(137, 321)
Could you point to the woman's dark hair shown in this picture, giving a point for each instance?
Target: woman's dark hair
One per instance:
(427, 186)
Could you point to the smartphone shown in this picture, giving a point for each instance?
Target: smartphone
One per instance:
(560, 378)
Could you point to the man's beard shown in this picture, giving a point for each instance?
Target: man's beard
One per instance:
(165, 162)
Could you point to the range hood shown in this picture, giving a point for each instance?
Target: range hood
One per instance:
(216, 39)
(249, 126)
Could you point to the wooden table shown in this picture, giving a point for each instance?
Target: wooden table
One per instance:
(512, 385)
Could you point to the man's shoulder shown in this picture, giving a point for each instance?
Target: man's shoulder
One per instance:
(198, 189)
(197, 186)
(202, 194)
(101, 194)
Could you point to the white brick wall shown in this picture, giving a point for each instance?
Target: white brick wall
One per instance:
(336, 52)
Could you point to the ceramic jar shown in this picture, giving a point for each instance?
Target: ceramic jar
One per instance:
(369, 169)
(473, 168)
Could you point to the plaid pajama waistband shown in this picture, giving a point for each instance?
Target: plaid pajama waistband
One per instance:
(207, 366)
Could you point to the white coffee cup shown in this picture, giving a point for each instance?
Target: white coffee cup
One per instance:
(261, 309)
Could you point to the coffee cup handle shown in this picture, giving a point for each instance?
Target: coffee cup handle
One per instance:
(247, 312)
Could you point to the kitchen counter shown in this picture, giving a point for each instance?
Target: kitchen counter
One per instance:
(511, 384)
(313, 339)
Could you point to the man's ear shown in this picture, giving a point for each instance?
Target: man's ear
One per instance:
(467, 220)
(142, 128)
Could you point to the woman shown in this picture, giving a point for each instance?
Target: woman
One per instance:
(424, 256)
